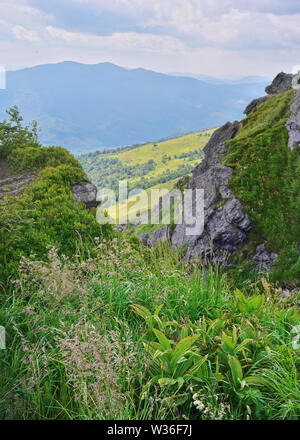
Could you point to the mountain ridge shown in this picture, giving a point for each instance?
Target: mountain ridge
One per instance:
(87, 107)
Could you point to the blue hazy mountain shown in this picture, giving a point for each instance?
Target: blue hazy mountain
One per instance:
(84, 107)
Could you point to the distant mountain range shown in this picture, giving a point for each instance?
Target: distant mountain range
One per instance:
(226, 80)
(87, 107)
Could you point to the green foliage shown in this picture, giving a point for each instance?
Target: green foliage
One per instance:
(267, 180)
(13, 135)
(115, 334)
(46, 212)
(173, 158)
(33, 158)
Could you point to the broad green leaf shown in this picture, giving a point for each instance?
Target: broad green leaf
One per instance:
(141, 311)
(227, 344)
(182, 367)
(162, 339)
(257, 380)
(243, 308)
(239, 295)
(198, 364)
(152, 347)
(165, 381)
(255, 302)
(158, 309)
(242, 345)
(182, 348)
(236, 369)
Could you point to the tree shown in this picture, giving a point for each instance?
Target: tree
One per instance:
(13, 134)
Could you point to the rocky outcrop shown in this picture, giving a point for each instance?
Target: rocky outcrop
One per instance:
(296, 81)
(254, 104)
(293, 124)
(225, 222)
(86, 193)
(282, 83)
(12, 186)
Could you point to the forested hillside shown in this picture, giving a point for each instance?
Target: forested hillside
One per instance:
(144, 166)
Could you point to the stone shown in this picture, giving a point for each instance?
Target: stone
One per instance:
(264, 259)
(225, 223)
(254, 104)
(145, 240)
(296, 82)
(86, 193)
(161, 234)
(293, 124)
(282, 83)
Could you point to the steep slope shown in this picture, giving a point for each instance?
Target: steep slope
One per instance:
(37, 207)
(250, 176)
(84, 107)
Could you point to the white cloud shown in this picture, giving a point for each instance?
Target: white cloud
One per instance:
(127, 41)
(295, 69)
(24, 34)
(242, 36)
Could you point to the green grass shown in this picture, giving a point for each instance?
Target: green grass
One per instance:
(146, 165)
(96, 339)
(46, 212)
(267, 180)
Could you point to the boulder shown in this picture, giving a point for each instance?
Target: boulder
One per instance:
(282, 83)
(86, 193)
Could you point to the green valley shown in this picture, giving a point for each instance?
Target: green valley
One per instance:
(146, 165)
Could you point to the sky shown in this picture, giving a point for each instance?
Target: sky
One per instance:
(212, 37)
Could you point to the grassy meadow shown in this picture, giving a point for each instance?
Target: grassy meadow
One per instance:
(131, 333)
(150, 166)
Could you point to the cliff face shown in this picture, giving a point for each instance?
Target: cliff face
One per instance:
(228, 218)
(225, 222)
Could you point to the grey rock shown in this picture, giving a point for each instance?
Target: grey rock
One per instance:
(296, 81)
(225, 223)
(145, 240)
(86, 193)
(161, 234)
(254, 104)
(293, 124)
(282, 83)
(264, 259)
(215, 148)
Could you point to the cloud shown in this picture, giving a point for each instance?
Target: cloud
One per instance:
(24, 34)
(233, 24)
(295, 69)
(130, 41)
(162, 34)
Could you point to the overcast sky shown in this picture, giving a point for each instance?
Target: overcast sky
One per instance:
(214, 37)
